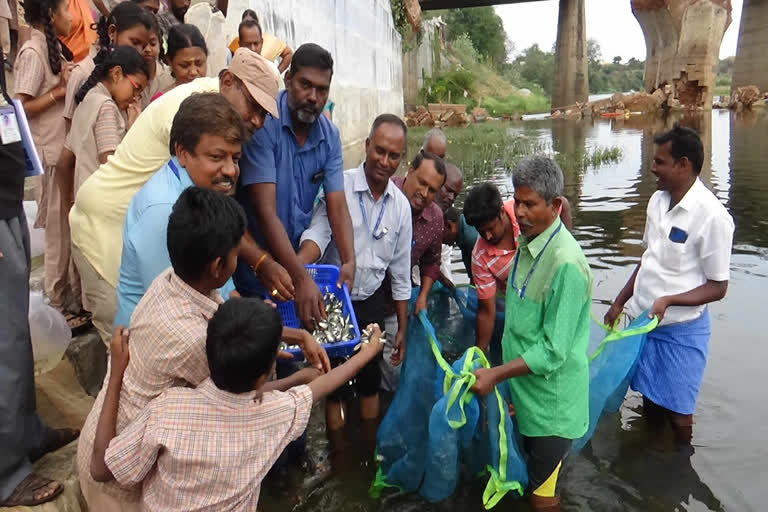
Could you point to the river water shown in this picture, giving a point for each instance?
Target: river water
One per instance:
(617, 471)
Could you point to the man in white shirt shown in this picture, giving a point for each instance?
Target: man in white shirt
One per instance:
(688, 238)
(382, 227)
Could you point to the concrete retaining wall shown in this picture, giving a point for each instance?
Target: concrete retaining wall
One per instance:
(366, 48)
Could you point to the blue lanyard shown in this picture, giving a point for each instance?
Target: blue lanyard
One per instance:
(378, 221)
(174, 169)
(535, 262)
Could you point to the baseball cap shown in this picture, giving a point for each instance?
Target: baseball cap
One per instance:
(258, 77)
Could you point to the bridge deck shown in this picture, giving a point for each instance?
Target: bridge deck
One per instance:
(430, 5)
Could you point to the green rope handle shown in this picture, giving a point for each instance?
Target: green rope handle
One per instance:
(379, 484)
(617, 334)
(497, 486)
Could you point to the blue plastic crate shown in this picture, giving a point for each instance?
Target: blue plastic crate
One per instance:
(324, 276)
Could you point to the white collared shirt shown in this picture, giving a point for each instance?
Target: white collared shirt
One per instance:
(372, 257)
(668, 267)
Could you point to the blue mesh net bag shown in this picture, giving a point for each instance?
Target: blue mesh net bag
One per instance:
(435, 426)
(611, 365)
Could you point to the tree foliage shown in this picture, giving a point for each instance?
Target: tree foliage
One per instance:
(483, 27)
(535, 66)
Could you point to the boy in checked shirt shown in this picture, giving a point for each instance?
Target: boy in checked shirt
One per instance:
(209, 448)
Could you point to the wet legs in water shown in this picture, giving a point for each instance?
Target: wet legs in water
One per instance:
(657, 418)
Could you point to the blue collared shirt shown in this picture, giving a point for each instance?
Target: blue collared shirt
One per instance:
(145, 247)
(274, 156)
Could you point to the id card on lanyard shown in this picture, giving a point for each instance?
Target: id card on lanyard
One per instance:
(375, 233)
(521, 291)
(15, 128)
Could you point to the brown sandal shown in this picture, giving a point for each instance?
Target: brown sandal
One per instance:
(77, 322)
(33, 490)
(56, 438)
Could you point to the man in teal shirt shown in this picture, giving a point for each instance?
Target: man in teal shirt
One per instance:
(546, 330)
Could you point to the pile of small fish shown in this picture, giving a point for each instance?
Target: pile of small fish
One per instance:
(365, 337)
(336, 327)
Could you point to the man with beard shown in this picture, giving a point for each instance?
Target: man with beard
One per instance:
(283, 167)
(174, 16)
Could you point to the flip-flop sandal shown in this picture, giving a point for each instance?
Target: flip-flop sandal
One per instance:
(77, 322)
(57, 438)
(24, 493)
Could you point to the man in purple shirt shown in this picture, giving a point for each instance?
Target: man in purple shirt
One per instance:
(424, 178)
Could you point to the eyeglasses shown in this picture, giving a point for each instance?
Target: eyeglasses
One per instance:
(134, 84)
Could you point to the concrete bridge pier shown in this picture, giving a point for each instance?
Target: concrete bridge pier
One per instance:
(569, 79)
(751, 65)
(682, 40)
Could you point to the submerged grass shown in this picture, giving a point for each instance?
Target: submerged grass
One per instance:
(486, 150)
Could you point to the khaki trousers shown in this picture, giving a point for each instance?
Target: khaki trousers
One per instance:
(99, 501)
(5, 37)
(99, 297)
(61, 280)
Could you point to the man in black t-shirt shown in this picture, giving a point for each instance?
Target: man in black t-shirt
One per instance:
(23, 437)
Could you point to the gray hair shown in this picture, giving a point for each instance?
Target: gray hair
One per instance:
(434, 132)
(541, 174)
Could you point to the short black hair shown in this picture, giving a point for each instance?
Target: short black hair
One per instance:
(311, 55)
(451, 215)
(426, 155)
(248, 23)
(685, 143)
(242, 342)
(388, 119)
(482, 205)
(204, 225)
(249, 13)
(205, 113)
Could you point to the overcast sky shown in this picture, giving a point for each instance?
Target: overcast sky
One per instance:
(611, 22)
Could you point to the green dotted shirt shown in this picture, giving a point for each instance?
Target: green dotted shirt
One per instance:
(549, 329)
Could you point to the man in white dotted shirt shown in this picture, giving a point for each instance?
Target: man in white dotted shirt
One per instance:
(688, 238)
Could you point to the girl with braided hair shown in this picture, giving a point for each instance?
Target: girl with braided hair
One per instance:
(127, 25)
(42, 70)
(187, 56)
(111, 92)
(160, 78)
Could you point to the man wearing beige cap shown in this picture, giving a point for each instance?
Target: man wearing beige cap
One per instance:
(283, 169)
(97, 216)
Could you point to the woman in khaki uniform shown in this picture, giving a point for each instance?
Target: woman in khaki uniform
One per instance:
(41, 70)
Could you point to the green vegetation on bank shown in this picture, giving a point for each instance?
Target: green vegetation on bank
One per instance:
(471, 64)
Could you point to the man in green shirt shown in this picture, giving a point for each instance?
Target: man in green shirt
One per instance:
(546, 330)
